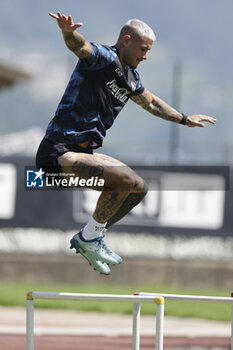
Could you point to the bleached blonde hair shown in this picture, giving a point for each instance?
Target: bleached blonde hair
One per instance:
(138, 28)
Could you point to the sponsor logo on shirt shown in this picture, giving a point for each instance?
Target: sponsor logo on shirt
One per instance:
(119, 93)
(118, 71)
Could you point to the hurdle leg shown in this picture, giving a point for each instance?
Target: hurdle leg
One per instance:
(136, 326)
(30, 322)
(159, 323)
(231, 327)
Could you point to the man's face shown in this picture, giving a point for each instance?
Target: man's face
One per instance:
(136, 50)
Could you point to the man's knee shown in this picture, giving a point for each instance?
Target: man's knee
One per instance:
(140, 186)
(136, 185)
(144, 189)
(120, 179)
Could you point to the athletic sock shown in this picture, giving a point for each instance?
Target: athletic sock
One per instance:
(93, 229)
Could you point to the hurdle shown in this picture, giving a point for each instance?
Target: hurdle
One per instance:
(195, 298)
(136, 300)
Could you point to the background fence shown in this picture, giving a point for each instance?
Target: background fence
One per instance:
(185, 200)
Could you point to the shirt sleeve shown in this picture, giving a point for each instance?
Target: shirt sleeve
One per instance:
(139, 88)
(100, 57)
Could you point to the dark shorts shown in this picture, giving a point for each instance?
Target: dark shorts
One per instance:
(49, 152)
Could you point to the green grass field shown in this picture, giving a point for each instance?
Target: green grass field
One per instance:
(15, 295)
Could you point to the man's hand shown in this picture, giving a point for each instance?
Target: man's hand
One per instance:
(197, 119)
(74, 40)
(65, 22)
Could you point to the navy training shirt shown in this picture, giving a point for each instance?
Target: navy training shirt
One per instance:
(97, 91)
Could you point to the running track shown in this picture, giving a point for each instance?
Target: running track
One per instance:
(70, 330)
(64, 342)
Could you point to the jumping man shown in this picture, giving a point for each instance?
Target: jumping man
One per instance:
(103, 80)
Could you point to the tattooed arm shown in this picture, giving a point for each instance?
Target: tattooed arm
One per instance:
(74, 41)
(158, 107)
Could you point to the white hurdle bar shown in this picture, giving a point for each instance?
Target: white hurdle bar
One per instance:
(135, 299)
(196, 298)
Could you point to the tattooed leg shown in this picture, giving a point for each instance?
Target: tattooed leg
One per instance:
(119, 180)
(86, 170)
(108, 204)
(129, 203)
(118, 183)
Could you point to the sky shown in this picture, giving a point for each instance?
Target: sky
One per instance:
(195, 33)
